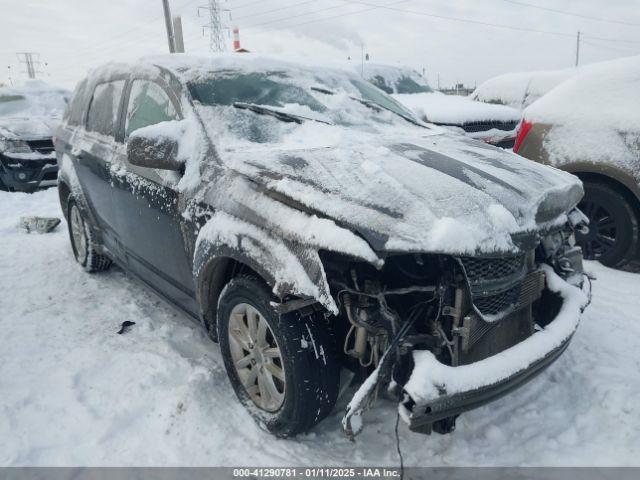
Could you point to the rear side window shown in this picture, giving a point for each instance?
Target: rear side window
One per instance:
(75, 109)
(103, 109)
(148, 104)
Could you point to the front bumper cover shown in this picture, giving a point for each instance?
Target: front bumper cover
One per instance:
(421, 417)
(37, 174)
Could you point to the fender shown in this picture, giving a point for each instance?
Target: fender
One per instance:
(617, 173)
(288, 268)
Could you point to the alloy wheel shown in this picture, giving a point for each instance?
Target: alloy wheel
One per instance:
(78, 234)
(257, 357)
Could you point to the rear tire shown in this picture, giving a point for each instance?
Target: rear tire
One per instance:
(83, 243)
(306, 359)
(613, 226)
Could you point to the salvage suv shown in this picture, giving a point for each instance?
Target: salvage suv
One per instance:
(27, 116)
(314, 227)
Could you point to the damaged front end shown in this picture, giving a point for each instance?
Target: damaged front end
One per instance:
(443, 334)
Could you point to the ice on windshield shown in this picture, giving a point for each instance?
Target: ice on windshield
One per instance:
(245, 99)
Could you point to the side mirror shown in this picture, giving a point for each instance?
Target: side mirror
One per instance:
(153, 151)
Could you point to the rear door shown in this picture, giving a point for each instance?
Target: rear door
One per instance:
(152, 228)
(94, 152)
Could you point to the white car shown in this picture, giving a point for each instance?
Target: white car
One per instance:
(494, 124)
(521, 89)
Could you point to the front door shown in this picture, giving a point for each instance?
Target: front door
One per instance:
(151, 223)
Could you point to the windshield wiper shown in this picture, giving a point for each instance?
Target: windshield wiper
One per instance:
(379, 108)
(279, 114)
(285, 117)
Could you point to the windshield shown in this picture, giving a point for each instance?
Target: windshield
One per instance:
(33, 104)
(325, 99)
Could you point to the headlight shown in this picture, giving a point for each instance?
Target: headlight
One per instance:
(14, 146)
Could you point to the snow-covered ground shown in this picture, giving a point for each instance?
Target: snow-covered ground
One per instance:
(73, 392)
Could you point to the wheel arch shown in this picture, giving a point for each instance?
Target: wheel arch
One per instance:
(627, 187)
(64, 192)
(213, 272)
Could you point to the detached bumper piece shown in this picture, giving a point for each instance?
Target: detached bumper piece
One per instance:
(422, 417)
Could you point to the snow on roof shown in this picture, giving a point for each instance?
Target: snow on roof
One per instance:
(522, 88)
(594, 116)
(605, 93)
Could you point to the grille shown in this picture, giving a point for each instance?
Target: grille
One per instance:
(488, 125)
(498, 303)
(41, 146)
(488, 269)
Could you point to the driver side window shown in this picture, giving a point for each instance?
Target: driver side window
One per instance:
(148, 104)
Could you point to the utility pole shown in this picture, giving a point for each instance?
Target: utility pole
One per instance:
(169, 25)
(578, 48)
(216, 37)
(178, 39)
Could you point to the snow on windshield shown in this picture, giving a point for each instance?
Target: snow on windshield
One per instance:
(391, 79)
(34, 99)
(227, 91)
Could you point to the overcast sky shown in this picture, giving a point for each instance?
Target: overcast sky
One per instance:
(74, 35)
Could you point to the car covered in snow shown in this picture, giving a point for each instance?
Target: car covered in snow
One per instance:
(520, 89)
(590, 126)
(27, 116)
(313, 226)
(494, 124)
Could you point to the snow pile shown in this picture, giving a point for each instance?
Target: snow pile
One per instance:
(439, 108)
(594, 115)
(430, 377)
(75, 393)
(521, 89)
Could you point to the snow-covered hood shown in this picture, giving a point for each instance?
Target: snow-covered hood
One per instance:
(435, 193)
(26, 128)
(443, 109)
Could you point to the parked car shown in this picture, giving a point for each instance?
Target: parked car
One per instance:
(310, 223)
(590, 126)
(521, 89)
(27, 116)
(494, 124)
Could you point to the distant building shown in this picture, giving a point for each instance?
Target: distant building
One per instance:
(458, 89)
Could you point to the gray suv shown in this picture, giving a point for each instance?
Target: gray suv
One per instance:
(314, 227)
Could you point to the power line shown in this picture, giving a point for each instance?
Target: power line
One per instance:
(610, 48)
(488, 24)
(578, 15)
(296, 16)
(346, 14)
(275, 10)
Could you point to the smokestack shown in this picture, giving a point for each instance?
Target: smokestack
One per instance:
(236, 39)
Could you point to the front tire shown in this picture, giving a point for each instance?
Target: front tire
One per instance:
(613, 226)
(284, 369)
(83, 243)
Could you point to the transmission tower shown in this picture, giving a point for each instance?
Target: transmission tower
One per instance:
(215, 26)
(31, 60)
